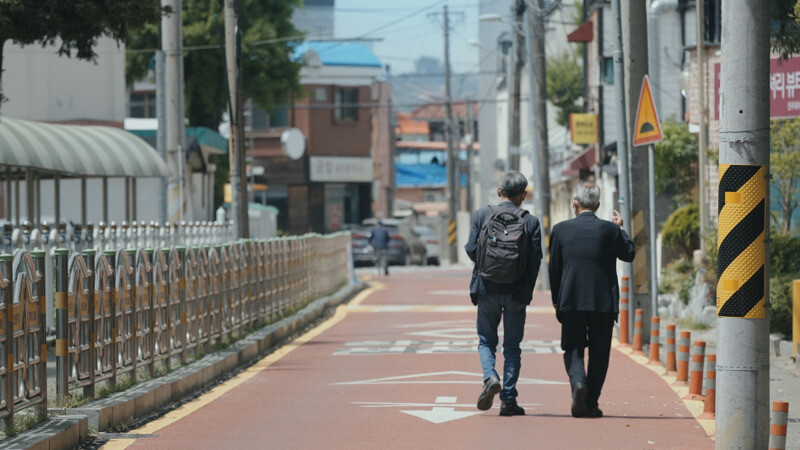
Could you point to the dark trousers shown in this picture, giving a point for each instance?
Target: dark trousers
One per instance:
(579, 330)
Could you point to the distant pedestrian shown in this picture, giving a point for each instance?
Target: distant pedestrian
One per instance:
(505, 243)
(583, 282)
(379, 239)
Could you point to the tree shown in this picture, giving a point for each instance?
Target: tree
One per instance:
(676, 155)
(784, 161)
(784, 30)
(564, 86)
(270, 72)
(74, 25)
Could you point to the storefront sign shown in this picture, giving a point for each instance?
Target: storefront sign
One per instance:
(341, 169)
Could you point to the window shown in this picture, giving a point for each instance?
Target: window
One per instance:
(263, 121)
(346, 105)
(320, 94)
(607, 70)
(142, 105)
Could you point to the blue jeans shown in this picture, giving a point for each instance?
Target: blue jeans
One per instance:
(490, 309)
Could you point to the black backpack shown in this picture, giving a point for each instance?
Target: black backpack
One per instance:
(503, 245)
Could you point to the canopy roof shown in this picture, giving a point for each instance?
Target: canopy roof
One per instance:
(77, 150)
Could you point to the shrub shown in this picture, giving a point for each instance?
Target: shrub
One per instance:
(780, 297)
(675, 277)
(784, 258)
(682, 229)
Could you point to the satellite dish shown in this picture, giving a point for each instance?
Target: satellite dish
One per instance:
(294, 143)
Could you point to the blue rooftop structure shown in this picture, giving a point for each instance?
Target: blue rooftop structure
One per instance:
(423, 176)
(337, 53)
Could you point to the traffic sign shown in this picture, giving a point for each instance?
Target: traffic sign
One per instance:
(648, 128)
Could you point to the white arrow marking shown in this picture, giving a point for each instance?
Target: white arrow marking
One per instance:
(441, 414)
(463, 378)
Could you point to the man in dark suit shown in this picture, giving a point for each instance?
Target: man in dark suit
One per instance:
(506, 301)
(583, 282)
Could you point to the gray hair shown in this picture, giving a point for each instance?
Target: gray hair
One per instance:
(588, 195)
(512, 183)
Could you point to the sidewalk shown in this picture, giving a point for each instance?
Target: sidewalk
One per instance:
(784, 382)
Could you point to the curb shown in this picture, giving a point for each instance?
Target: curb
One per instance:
(68, 431)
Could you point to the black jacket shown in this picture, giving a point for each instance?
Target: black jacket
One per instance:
(522, 289)
(583, 263)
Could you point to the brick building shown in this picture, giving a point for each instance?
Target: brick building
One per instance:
(334, 182)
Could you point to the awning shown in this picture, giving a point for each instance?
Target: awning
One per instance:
(74, 150)
(584, 33)
(582, 161)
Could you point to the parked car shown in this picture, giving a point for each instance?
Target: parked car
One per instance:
(359, 244)
(405, 247)
(428, 237)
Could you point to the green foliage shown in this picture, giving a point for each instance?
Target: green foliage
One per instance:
(564, 86)
(74, 24)
(693, 324)
(785, 167)
(682, 229)
(676, 155)
(784, 255)
(784, 30)
(780, 298)
(270, 75)
(675, 276)
(710, 257)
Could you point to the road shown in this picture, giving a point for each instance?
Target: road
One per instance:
(397, 367)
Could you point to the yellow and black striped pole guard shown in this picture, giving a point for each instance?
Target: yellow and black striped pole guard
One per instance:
(741, 241)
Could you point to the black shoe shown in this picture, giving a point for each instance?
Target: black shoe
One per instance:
(491, 386)
(511, 408)
(593, 412)
(579, 399)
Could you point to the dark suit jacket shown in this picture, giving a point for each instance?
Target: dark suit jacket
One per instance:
(583, 266)
(522, 289)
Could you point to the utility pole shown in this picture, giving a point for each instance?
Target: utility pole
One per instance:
(452, 155)
(535, 31)
(236, 141)
(161, 118)
(743, 406)
(470, 146)
(172, 42)
(701, 135)
(622, 136)
(517, 57)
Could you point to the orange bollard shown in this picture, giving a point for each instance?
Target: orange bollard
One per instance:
(624, 320)
(655, 345)
(682, 376)
(777, 427)
(637, 331)
(709, 407)
(671, 367)
(696, 371)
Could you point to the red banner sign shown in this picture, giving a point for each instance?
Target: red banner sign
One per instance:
(784, 88)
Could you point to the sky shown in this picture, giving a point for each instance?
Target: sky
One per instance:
(411, 29)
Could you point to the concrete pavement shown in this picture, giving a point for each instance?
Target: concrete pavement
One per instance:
(397, 367)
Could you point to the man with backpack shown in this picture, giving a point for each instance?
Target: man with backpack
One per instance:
(505, 242)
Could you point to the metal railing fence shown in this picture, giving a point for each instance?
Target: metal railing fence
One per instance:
(137, 312)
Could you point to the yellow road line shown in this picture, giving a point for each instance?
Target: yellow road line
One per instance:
(247, 374)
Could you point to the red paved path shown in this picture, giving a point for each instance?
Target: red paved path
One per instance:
(320, 394)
